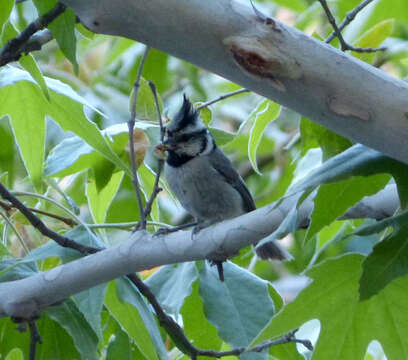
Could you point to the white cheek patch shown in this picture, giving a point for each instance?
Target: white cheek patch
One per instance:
(191, 128)
(210, 145)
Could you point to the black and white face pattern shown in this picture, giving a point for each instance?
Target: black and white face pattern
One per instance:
(187, 136)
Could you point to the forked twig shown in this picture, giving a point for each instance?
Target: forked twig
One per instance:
(337, 31)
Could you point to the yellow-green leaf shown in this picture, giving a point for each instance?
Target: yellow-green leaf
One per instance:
(266, 112)
(373, 38)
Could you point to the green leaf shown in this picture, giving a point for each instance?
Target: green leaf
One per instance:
(52, 249)
(26, 61)
(11, 339)
(171, 284)
(358, 160)
(12, 269)
(124, 207)
(347, 325)
(145, 106)
(84, 338)
(7, 150)
(90, 304)
(99, 201)
(315, 135)
(5, 10)
(65, 107)
(333, 200)
(63, 29)
(135, 318)
(221, 137)
(373, 38)
(156, 70)
(239, 307)
(388, 261)
(59, 344)
(205, 115)
(374, 14)
(266, 112)
(120, 347)
(15, 354)
(196, 326)
(26, 120)
(396, 222)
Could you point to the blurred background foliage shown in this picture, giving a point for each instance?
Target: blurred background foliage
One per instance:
(82, 172)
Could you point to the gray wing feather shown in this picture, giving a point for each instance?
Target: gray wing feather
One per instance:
(223, 165)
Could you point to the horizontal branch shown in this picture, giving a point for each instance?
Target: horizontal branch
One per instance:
(25, 298)
(268, 57)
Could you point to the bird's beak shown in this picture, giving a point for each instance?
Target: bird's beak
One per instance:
(168, 145)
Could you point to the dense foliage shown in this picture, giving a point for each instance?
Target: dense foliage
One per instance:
(64, 151)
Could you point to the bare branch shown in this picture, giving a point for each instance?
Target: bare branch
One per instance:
(160, 165)
(131, 124)
(35, 338)
(348, 19)
(287, 338)
(344, 45)
(221, 97)
(13, 50)
(65, 220)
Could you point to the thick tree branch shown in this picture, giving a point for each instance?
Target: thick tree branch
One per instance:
(270, 58)
(26, 297)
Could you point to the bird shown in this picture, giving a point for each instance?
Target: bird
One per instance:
(203, 178)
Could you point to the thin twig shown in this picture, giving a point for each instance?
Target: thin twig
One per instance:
(222, 97)
(19, 236)
(126, 225)
(344, 45)
(38, 224)
(78, 220)
(348, 19)
(35, 338)
(65, 220)
(14, 48)
(160, 164)
(131, 124)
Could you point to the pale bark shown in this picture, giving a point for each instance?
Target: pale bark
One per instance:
(275, 60)
(27, 297)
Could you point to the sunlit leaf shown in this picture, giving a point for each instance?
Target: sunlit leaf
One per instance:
(266, 112)
(373, 38)
(99, 201)
(63, 29)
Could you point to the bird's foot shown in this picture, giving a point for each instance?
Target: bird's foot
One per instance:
(165, 231)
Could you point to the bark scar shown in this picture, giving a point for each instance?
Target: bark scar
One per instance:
(262, 58)
(342, 107)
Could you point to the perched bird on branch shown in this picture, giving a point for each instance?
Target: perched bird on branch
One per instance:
(203, 178)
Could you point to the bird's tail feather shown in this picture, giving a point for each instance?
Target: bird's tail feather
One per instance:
(271, 250)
